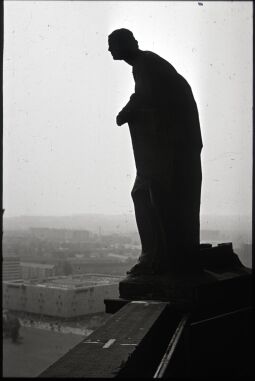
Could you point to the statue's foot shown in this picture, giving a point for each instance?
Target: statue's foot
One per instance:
(143, 267)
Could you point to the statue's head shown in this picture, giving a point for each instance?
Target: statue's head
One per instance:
(122, 44)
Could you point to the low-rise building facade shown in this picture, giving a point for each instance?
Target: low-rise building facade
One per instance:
(64, 297)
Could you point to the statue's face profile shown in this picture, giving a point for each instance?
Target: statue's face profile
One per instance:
(115, 49)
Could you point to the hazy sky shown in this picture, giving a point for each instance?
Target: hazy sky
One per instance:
(64, 154)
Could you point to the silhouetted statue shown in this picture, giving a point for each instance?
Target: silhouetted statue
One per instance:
(164, 125)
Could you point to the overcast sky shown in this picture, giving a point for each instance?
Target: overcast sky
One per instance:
(64, 154)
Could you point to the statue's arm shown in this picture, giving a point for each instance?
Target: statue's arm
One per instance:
(130, 111)
(142, 97)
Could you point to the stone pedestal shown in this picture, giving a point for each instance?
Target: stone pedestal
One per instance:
(223, 284)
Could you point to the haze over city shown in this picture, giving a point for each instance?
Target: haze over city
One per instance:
(63, 152)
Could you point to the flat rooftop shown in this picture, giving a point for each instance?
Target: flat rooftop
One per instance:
(71, 282)
(37, 265)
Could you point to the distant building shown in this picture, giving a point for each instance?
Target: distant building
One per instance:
(37, 270)
(80, 235)
(109, 266)
(65, 297)
(64, 235)
(11, 269)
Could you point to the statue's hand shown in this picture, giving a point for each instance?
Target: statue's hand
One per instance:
(123, 117)
(119, 120)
